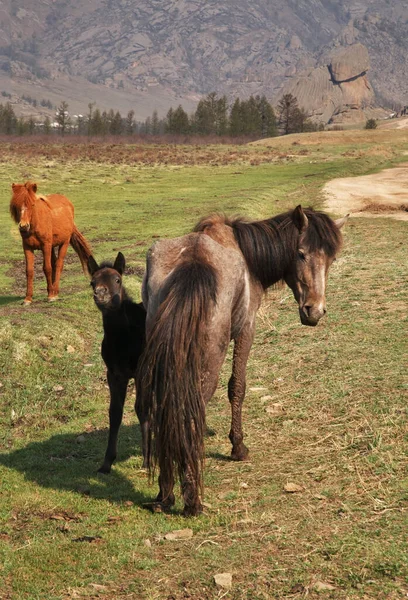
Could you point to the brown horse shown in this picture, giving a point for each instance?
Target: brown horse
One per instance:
(201, 291)
(46, 223)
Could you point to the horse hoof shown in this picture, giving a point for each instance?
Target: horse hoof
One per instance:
(240, 454)
(192, 511)
(52, 298)
(27, 302)
(104, 469)
(157, 507)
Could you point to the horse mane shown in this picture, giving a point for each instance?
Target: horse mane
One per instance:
(270, 245)
(22, 192)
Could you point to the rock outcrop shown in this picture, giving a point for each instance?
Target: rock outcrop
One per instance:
(339, 91)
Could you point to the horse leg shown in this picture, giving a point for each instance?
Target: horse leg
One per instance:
(192, 502)
(165, 498)
(58, 267)
(117, 388)
(47, 268)
(236, 392)
(53, 263)
(29, 259)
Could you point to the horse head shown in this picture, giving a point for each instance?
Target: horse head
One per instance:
(21, 205)
(106, 282)
(319, 240)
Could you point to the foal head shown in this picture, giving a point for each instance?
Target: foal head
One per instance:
(21, 205)
(107, 282)
(319, 240)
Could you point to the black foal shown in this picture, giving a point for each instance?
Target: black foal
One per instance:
(123, 342)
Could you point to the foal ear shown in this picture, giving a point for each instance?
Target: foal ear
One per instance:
(342, 221)
(300, 219)
(92, 265)
(31, 186)
(120, 263)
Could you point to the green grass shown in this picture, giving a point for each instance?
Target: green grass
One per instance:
(341, 433)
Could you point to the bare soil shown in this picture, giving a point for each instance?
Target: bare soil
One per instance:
(383, 194)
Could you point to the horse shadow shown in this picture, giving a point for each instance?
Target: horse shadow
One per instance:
(69, 462)
(10, 300)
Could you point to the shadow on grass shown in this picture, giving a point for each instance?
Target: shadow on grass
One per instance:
(63, 462)
(10, 299)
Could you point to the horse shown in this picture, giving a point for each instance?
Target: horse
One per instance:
(124, 324)
(46, 223)
(201, 291)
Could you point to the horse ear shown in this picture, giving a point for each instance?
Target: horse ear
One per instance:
(342, 221)
(120, 263)
(13, 185)
(92, 265)
(300, 219)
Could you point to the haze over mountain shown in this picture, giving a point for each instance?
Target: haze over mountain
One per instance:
(150, 54)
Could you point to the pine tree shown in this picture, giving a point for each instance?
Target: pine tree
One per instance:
(47, 125)
(180, 121)
(62, 117)
(96, 123)
(235, 121)
(116, 125)
(169, 121)
(130, 123)
(268, 118)
(288, 113)
(155, 123)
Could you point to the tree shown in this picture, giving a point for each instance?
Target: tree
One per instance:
(116, 124)
(371, 124)
(288, 111)
(268, 118)
(62, 117)
(180, 121)
(169, 121)
(96, 125)
(8, 119)
(47, 125)
(90, 115)
(155, 123)
(31, 125)
(235, 119)
(130, 123)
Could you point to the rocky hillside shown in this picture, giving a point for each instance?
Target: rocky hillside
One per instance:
(149, 54)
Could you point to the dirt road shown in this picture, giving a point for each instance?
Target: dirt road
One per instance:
(383, 194)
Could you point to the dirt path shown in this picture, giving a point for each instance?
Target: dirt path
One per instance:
(383, 194)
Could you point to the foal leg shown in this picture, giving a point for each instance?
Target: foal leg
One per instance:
(58, 267)
(117, 388)
(29, 259)
(236, 392)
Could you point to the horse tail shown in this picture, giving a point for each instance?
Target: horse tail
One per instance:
(81, 247)
(170, 378)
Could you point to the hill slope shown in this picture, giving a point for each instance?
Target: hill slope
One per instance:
(152, 54)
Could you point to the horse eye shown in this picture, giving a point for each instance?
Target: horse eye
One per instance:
(117, 280)
(301, 254)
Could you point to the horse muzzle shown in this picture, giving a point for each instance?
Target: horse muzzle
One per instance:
(24, 227)
(311, 315)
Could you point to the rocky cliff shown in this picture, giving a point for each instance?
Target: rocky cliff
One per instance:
(339, 91)
(146, 54)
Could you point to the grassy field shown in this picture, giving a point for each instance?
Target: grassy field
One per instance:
(326, 407)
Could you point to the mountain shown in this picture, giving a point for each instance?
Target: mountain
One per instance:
(150, 54)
